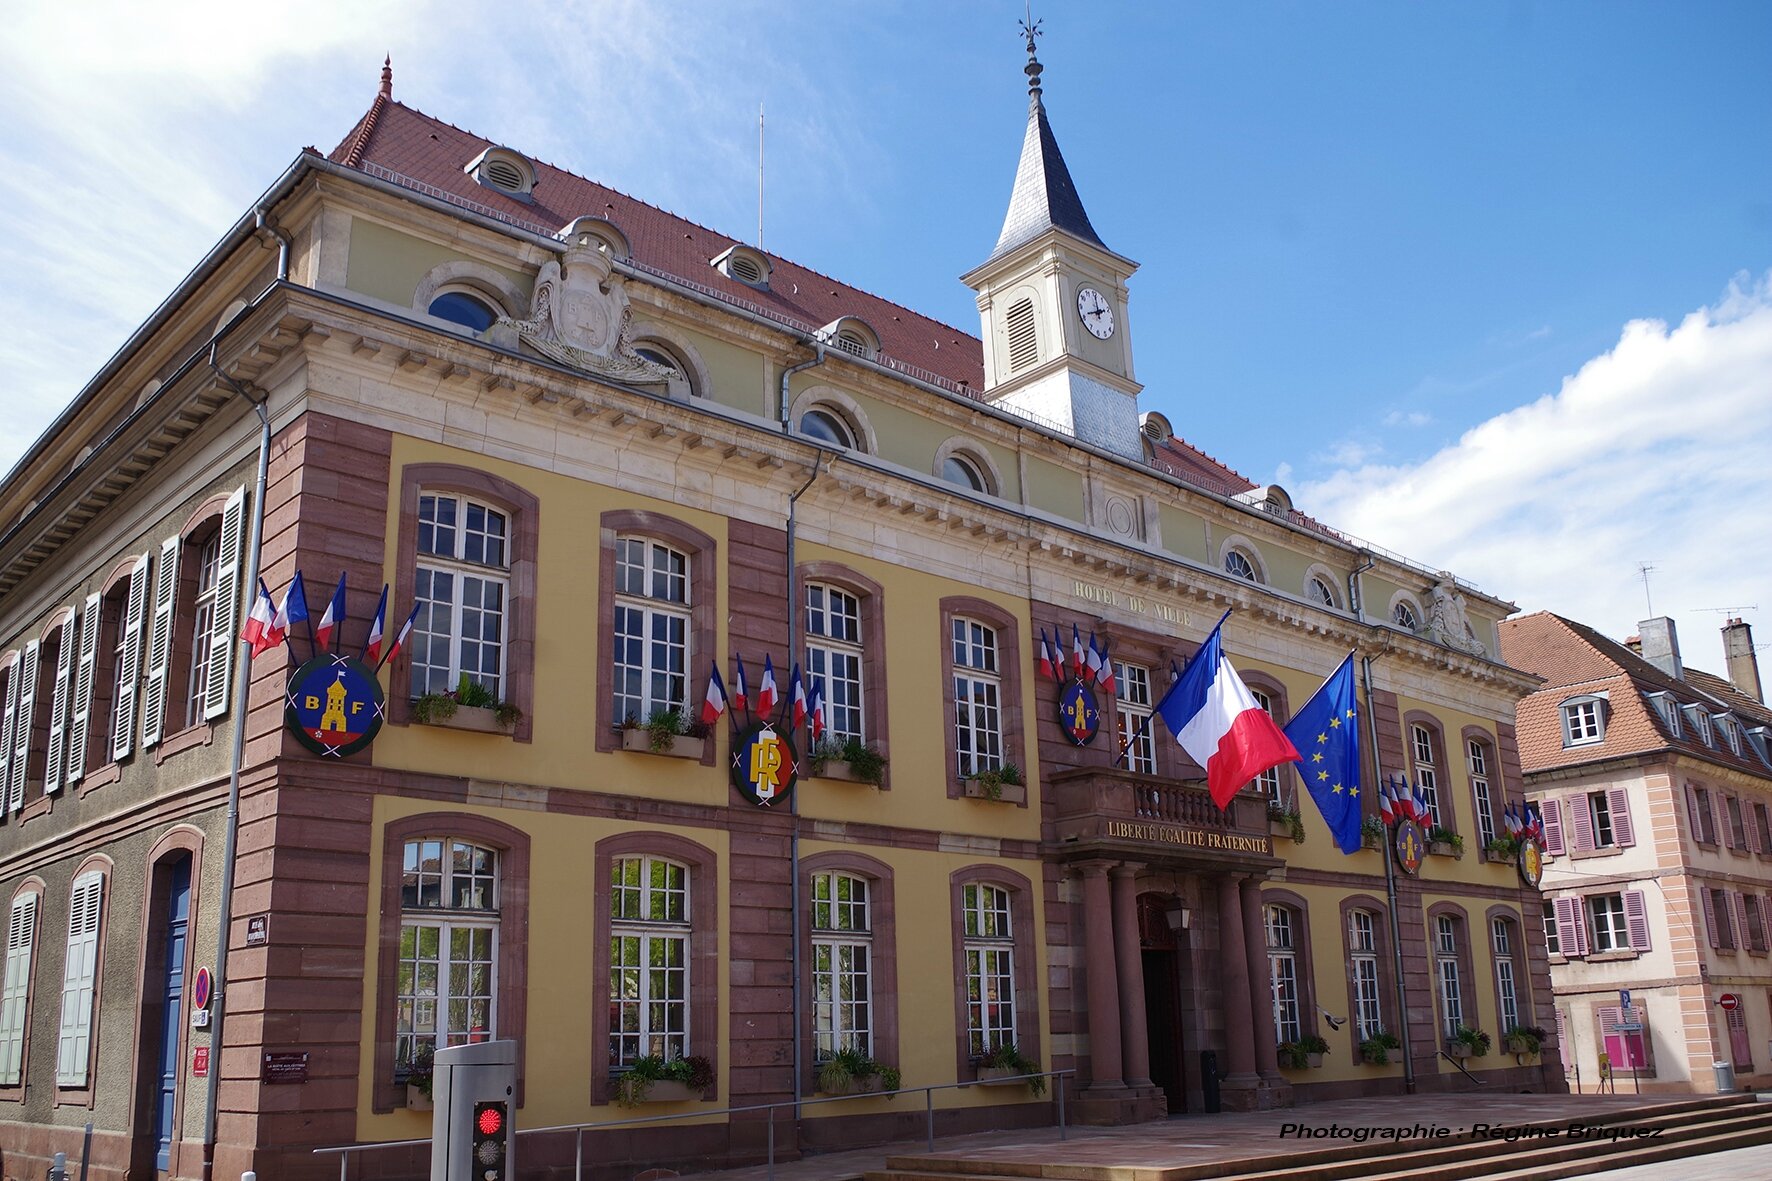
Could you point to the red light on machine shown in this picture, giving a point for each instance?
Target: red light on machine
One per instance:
(490, 1119)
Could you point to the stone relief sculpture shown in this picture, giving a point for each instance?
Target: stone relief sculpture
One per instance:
(580, 316)
(1447, 622)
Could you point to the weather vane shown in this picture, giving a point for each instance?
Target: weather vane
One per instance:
(1030, 29)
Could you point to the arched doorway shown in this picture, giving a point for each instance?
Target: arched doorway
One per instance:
(1163, 943)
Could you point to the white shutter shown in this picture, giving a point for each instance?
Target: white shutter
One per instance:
(74, 1049)
(58, 708)
(15, 987)
(82, 719)
(160, 644)
(224, 639)
(134, 610)
(7, 721)
(21, 724)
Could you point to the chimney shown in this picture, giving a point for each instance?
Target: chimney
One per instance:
(1744, 667)
(1661, 647)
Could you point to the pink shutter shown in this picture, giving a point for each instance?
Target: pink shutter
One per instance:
(1622, 833)
(1636, 920)
(1728, 836)
(1553, 827)
(1710, 920)
(1581, 817)
(1754, 922)
(1562, 1027)
(1709, 807)
(1740, 918)
(1692, 813)
(1570, 935)
(1750, 825)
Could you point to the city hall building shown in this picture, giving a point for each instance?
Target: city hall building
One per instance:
(604, 451)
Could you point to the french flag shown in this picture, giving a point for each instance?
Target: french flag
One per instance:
(815, 717)
(798, 689)
(1105, 678)
(261, 625)
(1386, 809)
(1076, 652)
(1217, 721)
(372, 650)
(1046, 669)
(714, 704)
(1092, 662)
(741, 696)
(335, 613)
(766, 692)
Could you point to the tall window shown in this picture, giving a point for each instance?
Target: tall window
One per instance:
(202, 628)
(1722, 923)
(1478, 757)
(79, 979)
(1737, 824)
(1426, 774)
(651, 628)
(989, 946)
(1505, 995)
(1599, 808)
(1132, 708)
(1282, 962)
(648, 960)
(978, 686)
(1552, 944)
(1446, 964)
(447, 985)
(1704, 825)
(834, 654)
(842, 952)
(1268, 781)
(15, 987)
(1362, 950)
(460, 585)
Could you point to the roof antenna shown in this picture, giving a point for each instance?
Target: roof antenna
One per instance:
(1031, 29)
(387, 77)
(759, 176)
(1644, 569)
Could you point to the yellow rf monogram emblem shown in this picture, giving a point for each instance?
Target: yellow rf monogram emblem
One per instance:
(766, 765)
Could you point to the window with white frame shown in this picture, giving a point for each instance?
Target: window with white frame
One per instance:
(1507, 997)
(1583, 721)
(1669, 709)
(651, 628)
(1447, 969)
(842, 955)
(446, 986)
(648, 960)
(1282, 963)
(1132, 708)
(988, 941)
(1700, 724)
(1319, 590)
(1426, 774)
(1730, 732)
(1599, 807)
(1238, 565)
(833, 655)
(79, 981)
(461, 586)
(1268, 782)
(1477, 756)
(1605, 914)
(978, 688)
(1362, 954)
(203, 627)
(1552, 944)
(1403, 615)
(21, 930)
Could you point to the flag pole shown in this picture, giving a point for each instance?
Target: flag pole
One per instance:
(1390, 893)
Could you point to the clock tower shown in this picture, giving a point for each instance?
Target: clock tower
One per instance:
(1052, 298)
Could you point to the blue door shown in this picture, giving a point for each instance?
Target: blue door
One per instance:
(178, 921)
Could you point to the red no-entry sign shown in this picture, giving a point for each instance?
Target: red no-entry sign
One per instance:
(1729, 1001)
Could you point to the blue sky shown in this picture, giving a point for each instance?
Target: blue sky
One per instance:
(1486, 283)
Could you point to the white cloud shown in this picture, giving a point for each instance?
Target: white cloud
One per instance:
(1654, 451)
(1408, 418)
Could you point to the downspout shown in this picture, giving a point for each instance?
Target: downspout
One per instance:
(242, 696)
(782, 411)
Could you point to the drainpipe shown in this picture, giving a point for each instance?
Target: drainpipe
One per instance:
(242, 694)
(1355, 592)
(261, 220)
(782, 413)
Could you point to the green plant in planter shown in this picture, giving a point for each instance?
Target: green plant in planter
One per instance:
(1503, 848)
(631, 1086)
(994, 780)
(1440, 835)
(664, 727)
(1376, 1049)
(422, 1072)
(1290, 817)
(1007, 1057)
(1476, 1039)
(1530, 1036)
(1297, 1055)
(851, 1065)
(865, 762)
(430, 708)
(1372, 830)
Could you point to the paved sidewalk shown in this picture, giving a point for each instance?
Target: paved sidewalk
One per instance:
(1193, 1139)
(1740, 1164)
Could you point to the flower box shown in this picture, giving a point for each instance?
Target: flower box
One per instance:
(869, 1084)
(670, 1090)
(1371, 841)
(417, 1100)
(1314, 1061)
(1444, 849)
(1001, 1076)
(1372, 1059)
(1005, 793)
(1457, 1050)
(837, 770)
(682, 746)
(479, 719)
(1520, 1045)
(1503, 858)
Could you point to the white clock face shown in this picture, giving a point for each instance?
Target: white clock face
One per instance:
(1096, 314)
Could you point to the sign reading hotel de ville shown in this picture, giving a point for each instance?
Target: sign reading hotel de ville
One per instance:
(1143, 605)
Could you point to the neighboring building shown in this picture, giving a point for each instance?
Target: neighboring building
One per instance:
(1655, 780)
(605, 449)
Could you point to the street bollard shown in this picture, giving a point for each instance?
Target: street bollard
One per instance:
(58, 1168)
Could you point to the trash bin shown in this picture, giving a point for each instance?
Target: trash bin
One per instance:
(1725, 1077)
(1209, 1082)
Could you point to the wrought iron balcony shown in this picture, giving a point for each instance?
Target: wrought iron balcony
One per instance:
(1111, 812)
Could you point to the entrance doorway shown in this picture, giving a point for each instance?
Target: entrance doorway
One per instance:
(164, 1016)
(1162, 952)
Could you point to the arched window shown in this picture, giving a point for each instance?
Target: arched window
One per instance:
(959, 469)
(1426, 761)
(458, 307)
(192, 631)
(989, 967)
(80, 979)
(15, 984)
(1363, 947)
(1404, 616)
(1319, 591)
(1479, 763)
(1505, 945)
(1023, 337)
(828, 426)
(1238, 565)
(835, 656)
(1452, 965)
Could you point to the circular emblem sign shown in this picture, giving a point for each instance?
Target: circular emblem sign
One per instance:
(1078, 714)
(1410, 846)
(764, 765)
(334, 705)
(1531, 863)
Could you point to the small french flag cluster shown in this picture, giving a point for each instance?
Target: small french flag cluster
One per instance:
(268, 624)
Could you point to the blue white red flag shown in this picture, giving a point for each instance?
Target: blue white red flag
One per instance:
(1105, 678)
(260, 630)
(400, 636)
(767, 696)
(372, 649)
(1387, 811)
(797, 698)
(294, 608)
(1076, 652)
(1091, 662)
(1217, 721)
(1423, 813)
(741, 696)
(331, 618)
(713, 704)
(1046, 669)
(815, 709)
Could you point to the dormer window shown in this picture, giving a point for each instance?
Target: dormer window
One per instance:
(1730, 731)
(1758, 739)
(853, 336)
(509, 172)
(1700, 724)
(750, 267)
(1584, 720)
(1669, 711)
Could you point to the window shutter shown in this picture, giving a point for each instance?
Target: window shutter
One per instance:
(1753, 921)
(22, 719)
(82, 719)
(1571, 937)
(1581, 817)
(1710, 920)
(1636, 920)
(75, 1046)
(160, 644)
(1553, 827)
(1707, 808)
(1741, 930)
(1622, 832)
(223, 636)
(1728, 829)
(7, 722)
(17, 985)
(58, 708)
(1562, 1029)
(134, 610)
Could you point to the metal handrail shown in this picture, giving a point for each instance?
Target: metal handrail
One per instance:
(344, 1151)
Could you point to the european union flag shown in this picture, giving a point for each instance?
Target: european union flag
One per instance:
(1326, 732)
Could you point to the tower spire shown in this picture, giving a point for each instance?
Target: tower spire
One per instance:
(387, 77)
(1031, 29)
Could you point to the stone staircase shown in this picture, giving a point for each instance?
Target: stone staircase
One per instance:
(1611, 1140)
